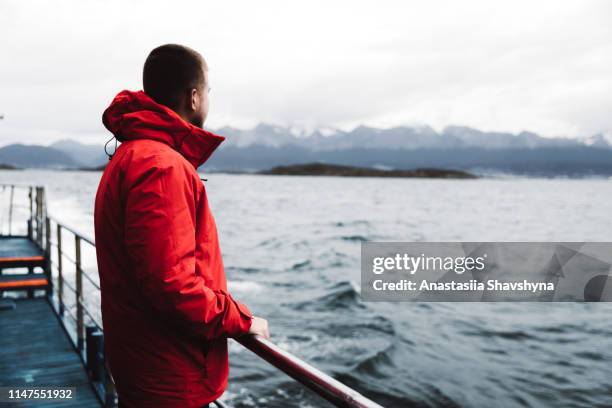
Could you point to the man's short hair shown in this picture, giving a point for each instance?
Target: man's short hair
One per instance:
(170, 72)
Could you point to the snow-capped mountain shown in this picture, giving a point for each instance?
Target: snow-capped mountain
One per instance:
(403, 137)
(601, 140)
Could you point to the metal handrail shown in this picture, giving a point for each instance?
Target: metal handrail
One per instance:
(73, 230)
(90, 279)
(69, 286)
(70, 315)
(73, 262)
(324, 385)
(93, 319)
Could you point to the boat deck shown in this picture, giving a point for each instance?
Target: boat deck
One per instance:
(36, 352)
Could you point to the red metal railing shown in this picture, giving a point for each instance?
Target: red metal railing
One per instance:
(327, 387)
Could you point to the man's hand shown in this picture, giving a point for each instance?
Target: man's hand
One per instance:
(259, 326)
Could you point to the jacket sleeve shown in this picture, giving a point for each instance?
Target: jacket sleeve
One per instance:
(160, 240)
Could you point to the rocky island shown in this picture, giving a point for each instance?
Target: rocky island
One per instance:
(4, 166)
(323, 169)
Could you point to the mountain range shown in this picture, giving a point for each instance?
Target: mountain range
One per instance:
(463, 148)
(404, 137)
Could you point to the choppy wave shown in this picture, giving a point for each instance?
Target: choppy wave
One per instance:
(342, 295)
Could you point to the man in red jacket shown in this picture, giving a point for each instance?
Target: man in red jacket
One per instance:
(166, 310)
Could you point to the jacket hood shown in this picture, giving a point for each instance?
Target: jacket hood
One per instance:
(134, 115)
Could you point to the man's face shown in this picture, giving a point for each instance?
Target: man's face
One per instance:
(200, 103)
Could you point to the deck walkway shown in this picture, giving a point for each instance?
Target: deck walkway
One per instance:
(35, 351)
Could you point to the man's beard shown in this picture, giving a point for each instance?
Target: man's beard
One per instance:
(197, 121)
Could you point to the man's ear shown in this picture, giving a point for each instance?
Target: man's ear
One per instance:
(195, 100)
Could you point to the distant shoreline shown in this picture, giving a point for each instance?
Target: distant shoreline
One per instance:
(322, 169)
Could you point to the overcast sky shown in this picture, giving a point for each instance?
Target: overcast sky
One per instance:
(544, 66)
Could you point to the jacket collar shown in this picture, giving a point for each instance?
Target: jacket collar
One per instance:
(134, 115)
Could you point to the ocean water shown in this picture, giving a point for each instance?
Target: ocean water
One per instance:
(291, 249)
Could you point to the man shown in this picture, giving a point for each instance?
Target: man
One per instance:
(165, 305)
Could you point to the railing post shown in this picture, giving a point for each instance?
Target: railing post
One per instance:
(10, 214)
(43, 214)
(79, 291)
(60, 276)
(36, 206)
(39, 212)
(30, 196)
(48, 255)
(95, 353)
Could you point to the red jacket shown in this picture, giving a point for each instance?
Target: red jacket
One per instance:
(165, 306)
